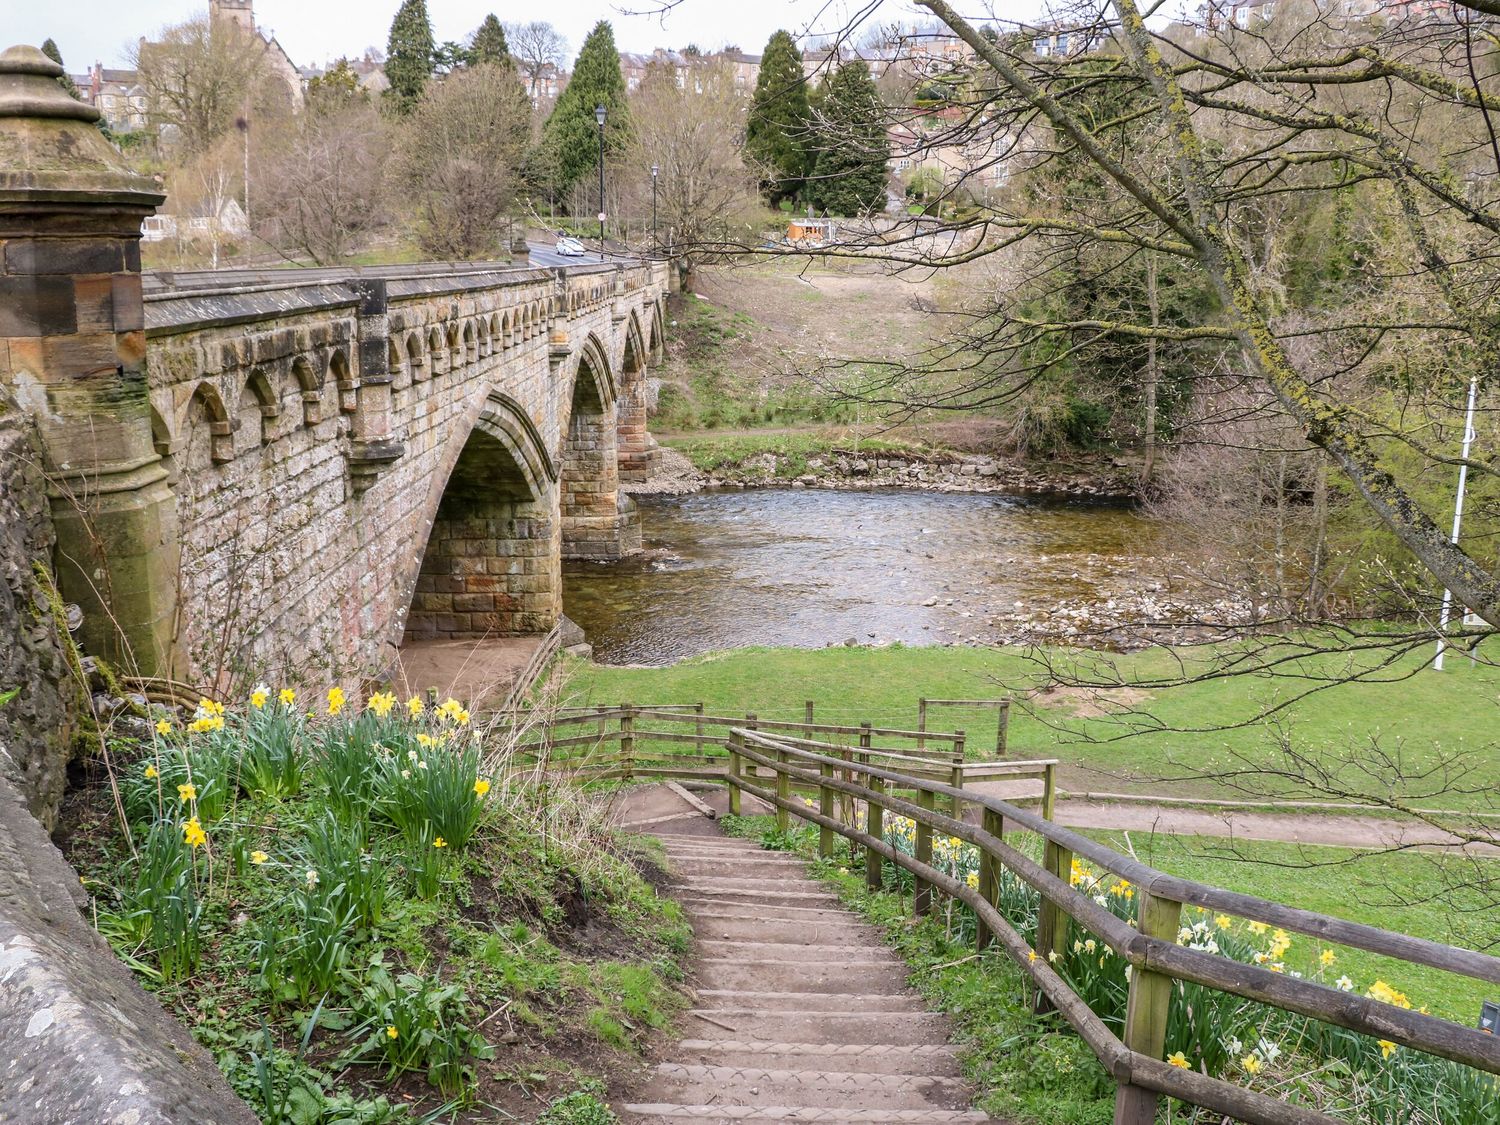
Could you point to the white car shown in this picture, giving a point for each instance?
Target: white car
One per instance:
(571, 248)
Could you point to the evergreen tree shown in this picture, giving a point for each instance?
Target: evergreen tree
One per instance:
(49, 48)
(777, 132)
(489, 44)
(409, 55)
(571, 133)
(850, 174)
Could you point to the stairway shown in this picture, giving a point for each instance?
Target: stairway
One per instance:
(801, 1014)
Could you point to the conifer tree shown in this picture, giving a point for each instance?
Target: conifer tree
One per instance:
(489, 44)
(850, 174)
(409, 55)
(49, 48)
(776, 134)
(571, 134)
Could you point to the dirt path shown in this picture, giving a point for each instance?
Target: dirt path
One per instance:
(801, 1013)
(1314, 828)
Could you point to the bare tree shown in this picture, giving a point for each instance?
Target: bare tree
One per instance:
(706, 191)
(200, 76)
(536, 46)
(458, 159)
(322, 178)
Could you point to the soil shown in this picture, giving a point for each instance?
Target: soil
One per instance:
(479, 672)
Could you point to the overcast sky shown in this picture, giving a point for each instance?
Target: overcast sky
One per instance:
(317, 31)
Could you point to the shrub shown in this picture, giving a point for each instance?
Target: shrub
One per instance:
(416, 1024)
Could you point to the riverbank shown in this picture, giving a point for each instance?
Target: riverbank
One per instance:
(820, 459)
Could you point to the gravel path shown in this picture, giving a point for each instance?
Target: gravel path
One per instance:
(801, 1013)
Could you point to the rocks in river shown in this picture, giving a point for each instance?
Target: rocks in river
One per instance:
(929, 603)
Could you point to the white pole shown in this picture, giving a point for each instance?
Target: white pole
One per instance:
(1458, 514)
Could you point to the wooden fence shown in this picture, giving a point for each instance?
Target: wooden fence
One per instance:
(682, 742)
(771, 765)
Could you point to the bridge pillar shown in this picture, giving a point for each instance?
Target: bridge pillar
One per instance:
(72, 349)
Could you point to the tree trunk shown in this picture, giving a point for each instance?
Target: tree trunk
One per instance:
(1152, 372)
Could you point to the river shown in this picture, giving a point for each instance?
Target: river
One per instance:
(809, 568)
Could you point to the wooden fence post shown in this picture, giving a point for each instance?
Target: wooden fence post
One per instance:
(1052, 923)
(874, 816)
(1002, 731)
(627, 740)
(1049, 791)
(989, 876)
(698, 730)
(783, 792)
(736, 743)
(922, 898)
(825, 808)
(921, 724)
(1146, 1010)
(956, 773)
(807, 713)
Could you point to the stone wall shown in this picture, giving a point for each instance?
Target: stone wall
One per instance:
(37, 726)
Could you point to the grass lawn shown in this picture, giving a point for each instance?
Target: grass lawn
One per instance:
(1183, 738)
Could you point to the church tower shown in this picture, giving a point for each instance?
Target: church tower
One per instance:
(240, 13)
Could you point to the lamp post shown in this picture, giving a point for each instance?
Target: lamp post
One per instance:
(655, 242)
(599, 117)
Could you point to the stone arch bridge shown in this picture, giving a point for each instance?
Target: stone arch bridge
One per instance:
(253, 472)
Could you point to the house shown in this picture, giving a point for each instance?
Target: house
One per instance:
(210, 220)
(118, 95)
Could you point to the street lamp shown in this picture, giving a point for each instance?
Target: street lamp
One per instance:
(655, 242)
(599, 117)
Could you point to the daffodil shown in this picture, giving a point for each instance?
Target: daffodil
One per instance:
(187, 792)
(163, 726)
(1344, 984)
(423, 739)
(391, 1032)
(1327, 957)
(381, 703)
(311, 878)
(440, 843)
(287, 696)
(259, 696)
(1223, 921)
(1178, 1059)
(415, 707)
(1387, 1048)
(193, 835)
(1031, 955)
(1258, 927)
(336, 700)
(258, 857)
(481, 787)
(1250, 1064)
(152, 771)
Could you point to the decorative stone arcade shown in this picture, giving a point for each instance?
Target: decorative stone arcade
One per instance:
(257, 473)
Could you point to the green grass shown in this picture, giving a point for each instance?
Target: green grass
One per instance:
(1430, 716)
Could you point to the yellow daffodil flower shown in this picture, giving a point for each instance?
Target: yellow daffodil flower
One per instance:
(1327, 957)
(287, 696)
(163, 726)
(481, 787)
(415, 707)
(258, 857)
(186, 793)
(258, 697)
(193, 835)
(152, 771)
(1178, 1059)
(440, 843)
(1250, 1064)
(1223, 921)
(381, 703)
(335, 700)
(1258, 927)
(391, 1032)
(1387, 1048)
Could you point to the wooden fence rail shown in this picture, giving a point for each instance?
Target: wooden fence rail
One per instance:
(1150, 948)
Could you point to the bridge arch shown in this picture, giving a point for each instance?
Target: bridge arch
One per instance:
(259, 406)
(594, 512)
(491, 564)
(207, 415)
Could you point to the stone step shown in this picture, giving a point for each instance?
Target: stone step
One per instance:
(752, 1086)
(745, 884)
(718, 845)
(864, 949)
(869, 977)
(924, 1058)
(785, 931)
(660, 1114)
(718, 908)
(832, 1001)
(736, 867)
(901, 1029)
(780, 890)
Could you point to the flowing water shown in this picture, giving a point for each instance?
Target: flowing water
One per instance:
(809, 568)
